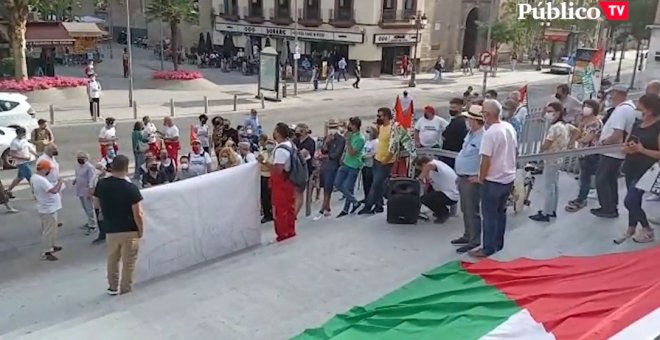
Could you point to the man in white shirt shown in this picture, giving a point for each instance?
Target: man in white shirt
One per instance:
(199, 161)
(23, 153)
(49, 203)
(170, 136)
(151, 131)
(50, 152)
(108, 139)
(94, 95)
(497, 171)
(444, 192)
(429, 129)
(615, 130)
(406, 100)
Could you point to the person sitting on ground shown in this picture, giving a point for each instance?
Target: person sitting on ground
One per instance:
(227, 158)
(443, 192)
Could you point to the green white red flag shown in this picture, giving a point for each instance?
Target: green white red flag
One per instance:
(568, 298)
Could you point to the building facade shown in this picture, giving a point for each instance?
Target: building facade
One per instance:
(378, 33)
(652, 70)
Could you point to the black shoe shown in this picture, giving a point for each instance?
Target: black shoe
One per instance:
(112, 292)
(553, 215)
(98, 241)
(56, 249)
(540, 217)
(342, 214)
(465, 248)
(460, 241)
(49, 257)
(10, 194)
(379, 210)
(604, 214)
(59, 225)
(356, 206)
(366, 211)
(441, 219)
(266, 219)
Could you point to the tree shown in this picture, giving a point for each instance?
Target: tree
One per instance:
(173, 12)
(641, 13)
(501, 32)
(56, 10)
(17, 12)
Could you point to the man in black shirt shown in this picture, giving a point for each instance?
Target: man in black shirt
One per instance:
(120, 202)
(455, 133)
(304, 141)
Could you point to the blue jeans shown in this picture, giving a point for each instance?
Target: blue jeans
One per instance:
(345, 183)
(381, 172)
(24, 171)
(493, 210)
(588, 166)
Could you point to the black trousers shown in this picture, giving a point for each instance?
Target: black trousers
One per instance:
(266, 203)
(357, 81)
(367, 179)
(99, 222)
(607, 183)
(94, 107)
(438, 202)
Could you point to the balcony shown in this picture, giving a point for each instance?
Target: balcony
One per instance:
(229, 14)
(310, 17)
(253, 15)
(393, 18)
(281, 16)
(342, 17)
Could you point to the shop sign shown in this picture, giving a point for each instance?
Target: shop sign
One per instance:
(37, 43)
(348, 37)
(393, 39)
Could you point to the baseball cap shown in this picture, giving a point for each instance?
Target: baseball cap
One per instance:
(44, 165)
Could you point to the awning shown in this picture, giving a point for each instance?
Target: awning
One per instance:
(83, 30)
(559, 36)
(42, 34)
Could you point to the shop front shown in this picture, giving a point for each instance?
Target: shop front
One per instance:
(44, 42)
(394, 46)
(316, 45)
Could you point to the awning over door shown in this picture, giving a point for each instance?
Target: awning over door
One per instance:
(47, 34)
(556, 35)
(83, 30)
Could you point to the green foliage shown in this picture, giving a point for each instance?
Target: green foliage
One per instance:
(501, 32)
(641, 13)
(58, 10)
(173, 11)
(6, 66)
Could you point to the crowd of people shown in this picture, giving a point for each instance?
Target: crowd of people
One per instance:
(482, 134)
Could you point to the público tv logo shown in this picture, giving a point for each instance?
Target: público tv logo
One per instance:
(547, 10)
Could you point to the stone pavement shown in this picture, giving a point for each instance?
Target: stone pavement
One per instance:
(271, 292)
(153, 97)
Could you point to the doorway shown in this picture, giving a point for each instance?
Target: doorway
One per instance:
(471, 33)
(391, 59)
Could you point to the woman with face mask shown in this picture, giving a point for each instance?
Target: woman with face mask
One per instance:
(140, 143)
(265, 158)
(184, 169)
(227, 158)
(556, 140)
(642, 152)
(151, 174)
(203, 132)
(588, 132)
(167, 167)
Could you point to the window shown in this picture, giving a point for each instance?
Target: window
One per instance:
(256, 8)
(389, 4)
(409, 5)
(344, 10)
(6, 105)
(231, 7)
(282, 9)
(312, 9)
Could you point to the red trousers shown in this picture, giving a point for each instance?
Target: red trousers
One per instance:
(283, 195)
(400, 167)
(172, 149)
(104, 152)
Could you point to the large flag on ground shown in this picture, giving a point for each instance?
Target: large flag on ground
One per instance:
(568, 298)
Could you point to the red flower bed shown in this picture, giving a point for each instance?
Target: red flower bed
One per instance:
(40, 83)
(177, 75)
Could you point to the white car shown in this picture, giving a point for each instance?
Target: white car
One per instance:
(16, 111)
(562, 67)
(6, 136)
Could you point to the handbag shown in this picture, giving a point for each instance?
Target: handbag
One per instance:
(142, 147)
(650, 181)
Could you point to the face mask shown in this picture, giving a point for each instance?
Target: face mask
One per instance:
(203, 121)
(332, 131)
(226, 125)
(184, 166)
(55, 153)
(216, 123)
(196, 149)
(270, 147)
(341, 130)
(453, 112)
(587, 111)
(379, 121)
(249, 132)
(81, 161)
(298, 134)
(153, 167)
(162, 158)
(558, 96)
(549, 116)
(224, 160)
(48, 173)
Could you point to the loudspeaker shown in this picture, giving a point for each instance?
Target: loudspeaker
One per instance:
(403, 203)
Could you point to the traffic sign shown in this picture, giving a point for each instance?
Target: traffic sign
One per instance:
(485, 59)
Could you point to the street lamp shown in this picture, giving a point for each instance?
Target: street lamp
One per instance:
(419, 22)
(544, 25)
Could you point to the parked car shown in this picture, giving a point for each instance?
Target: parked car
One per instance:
(6, 136)
(562, 67)
(16, 111)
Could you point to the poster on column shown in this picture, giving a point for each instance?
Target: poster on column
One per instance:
(585, 83)
(199, 219)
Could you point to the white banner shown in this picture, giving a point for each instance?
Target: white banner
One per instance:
(199, 219)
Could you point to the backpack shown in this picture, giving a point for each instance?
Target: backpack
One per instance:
(298, 173)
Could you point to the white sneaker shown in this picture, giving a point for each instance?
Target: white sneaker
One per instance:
(653, 198)
(11, 210)
(319, 217)
(593, 194)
